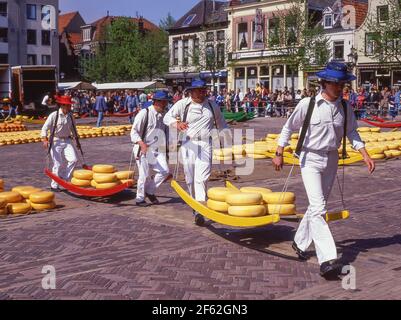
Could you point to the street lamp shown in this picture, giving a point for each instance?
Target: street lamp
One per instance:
(353, 58)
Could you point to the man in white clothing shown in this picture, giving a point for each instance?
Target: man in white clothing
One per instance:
(61, 126)
(197, 117)
(319, 160)
(149, 135)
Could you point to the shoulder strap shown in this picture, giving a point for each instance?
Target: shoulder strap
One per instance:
(144, 130)
(75, 133)
(214, 115)
(305, 127)
(344, 154)
(184, 119)
(53, 132)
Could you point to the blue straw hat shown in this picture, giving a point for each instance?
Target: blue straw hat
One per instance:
(336, 72)
(161, 95)
(197, 84)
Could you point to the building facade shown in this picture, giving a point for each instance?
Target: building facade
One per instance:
(199, 45)
(70, 35)
(29, 32)
(369, 70)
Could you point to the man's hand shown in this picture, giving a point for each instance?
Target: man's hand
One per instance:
(278, 163)
(370, 164)
(144, 147)
(182, 126)
(45, 143)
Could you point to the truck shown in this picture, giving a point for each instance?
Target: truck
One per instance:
(30, 84)
(4, 81)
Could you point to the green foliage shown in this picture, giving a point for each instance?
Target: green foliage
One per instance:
(126, 54)
(167, 22)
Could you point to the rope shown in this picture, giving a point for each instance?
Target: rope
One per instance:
(285, 188)
(342, 188)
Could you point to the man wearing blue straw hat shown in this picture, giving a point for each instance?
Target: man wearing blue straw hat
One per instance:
(325, 120)
(148, 134)
(196, 117)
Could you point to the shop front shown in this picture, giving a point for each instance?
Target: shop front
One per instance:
(218, 80)
(379, 76)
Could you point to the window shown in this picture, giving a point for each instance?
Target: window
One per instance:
(338, 50)
(210, 56)
(382, 14)
(31, 11)
(46, 59)
(31, 59)
(328, 21)
(3, 35)
(188, 20)
(274, 39)
(291, 31)
(3, 9)
(221, 35)
(31, 36)
(86, 34)
(221, 55)
(209, 36)
(370, 44)
(196, 45)
(3, 58)
(45, 37)
(243, 36)
(185, 53)
(175, 53)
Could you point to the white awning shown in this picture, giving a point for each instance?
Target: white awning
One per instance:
(76, 86)
(130, 85)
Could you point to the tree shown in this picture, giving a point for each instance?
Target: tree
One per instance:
(383, 33)
(167, 22)
(125, 54)
(299, 42)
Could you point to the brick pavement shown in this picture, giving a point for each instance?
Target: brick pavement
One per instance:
(109, 249)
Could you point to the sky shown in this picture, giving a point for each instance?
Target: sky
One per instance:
(153, 10)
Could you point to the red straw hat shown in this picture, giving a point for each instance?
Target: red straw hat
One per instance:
(64, 100)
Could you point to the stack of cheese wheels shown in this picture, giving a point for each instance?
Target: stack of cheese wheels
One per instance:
(82, 178)
(223, 154)
(42, 200)
(217, 199)
(14, 203)
(282, 203)
(25, 191)
(125, 176)
(1, 185)
(262, 191)
(245, 204)
(104, 177)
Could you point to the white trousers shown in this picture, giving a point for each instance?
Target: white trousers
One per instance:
(318, 171)
(152, 161)
(63, 149)
(197, 160)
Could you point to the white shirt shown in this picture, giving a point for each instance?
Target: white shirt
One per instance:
(63, 127)
(199, 117)
(326, 127)
(155, 121)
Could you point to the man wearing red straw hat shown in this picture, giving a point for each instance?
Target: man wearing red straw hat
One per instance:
(62, 129)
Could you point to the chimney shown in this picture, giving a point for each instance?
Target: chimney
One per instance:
(214, 5)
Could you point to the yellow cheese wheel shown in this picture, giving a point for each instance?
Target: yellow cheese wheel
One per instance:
(42, 197)
(282, 209)
(222, 152)
(219, 193)
(388, 154)
(43, 206)
(10, 197)
(1, 184)
(102, 186)
(363, 129)
(272, 136)
(19, 188)
(81, 183)
(395, 153)
(19, 208)
(279, 198)
(105, 177)
(247, 211)
(27, 192)
(3, 212)
(262, 191)
(3, 203)
(124, 175)
(93, 184)
(244, 199)
(378, 156)
(83, 174)
(256, 156)
(103, 168)
(218, 206)
(375, 129)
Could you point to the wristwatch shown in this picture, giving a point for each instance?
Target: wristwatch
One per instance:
(278, 154)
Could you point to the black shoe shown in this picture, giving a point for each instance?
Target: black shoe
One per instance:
(330, 270)
(152, 198)
(142, 204)
(301, 254)
(55, 189)
(199, 220)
